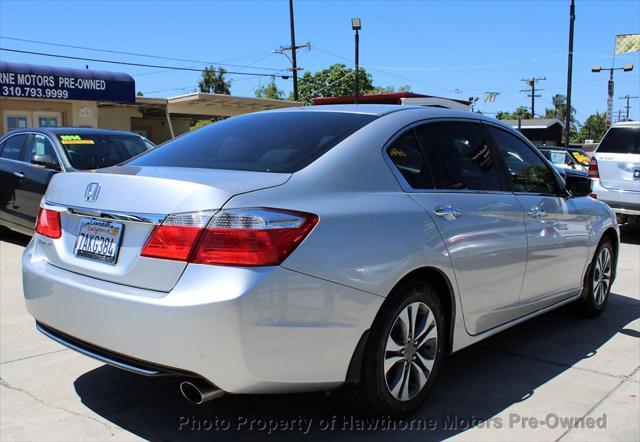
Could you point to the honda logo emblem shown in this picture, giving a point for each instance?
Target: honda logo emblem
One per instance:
(91, 194)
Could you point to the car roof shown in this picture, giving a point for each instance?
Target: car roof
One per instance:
(627, 124)
(385, 109)
(72, 131)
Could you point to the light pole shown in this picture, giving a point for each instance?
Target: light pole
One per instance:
(567, 116)
(356, 25)
(293, 52)
(625, 68)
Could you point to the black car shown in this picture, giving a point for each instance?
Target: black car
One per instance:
(30, 157)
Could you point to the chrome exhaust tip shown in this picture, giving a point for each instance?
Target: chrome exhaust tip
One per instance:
(199, 391)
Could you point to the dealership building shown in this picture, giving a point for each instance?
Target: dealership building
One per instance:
(46, 96)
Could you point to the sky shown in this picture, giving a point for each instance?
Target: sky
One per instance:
(456, 49)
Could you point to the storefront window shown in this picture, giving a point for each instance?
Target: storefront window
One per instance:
(48, 122)
(16, 122)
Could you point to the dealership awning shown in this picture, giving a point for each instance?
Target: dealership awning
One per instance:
(200, 103)
(55, 83)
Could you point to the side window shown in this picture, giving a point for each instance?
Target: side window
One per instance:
(527, 170)
(39, 145)
(458, 156)
(12, 147)
(407, 156)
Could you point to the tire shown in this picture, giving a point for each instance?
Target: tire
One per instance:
(392, 392)
(597, 281)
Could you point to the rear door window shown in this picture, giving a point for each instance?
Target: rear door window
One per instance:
(458, 156)
(12, 147)
(407, 156)
(266, 142)
(621, 140)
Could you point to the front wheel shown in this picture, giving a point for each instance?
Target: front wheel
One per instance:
(404, 352)
(598, 279)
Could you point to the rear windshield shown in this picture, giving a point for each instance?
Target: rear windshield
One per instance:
(94, 151)
(621, 140)
(266, 142)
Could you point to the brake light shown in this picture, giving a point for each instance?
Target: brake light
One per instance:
(594, 196)
(252, 237)
(241, 237)
(593, 168)
(48, 223)
(175, 237)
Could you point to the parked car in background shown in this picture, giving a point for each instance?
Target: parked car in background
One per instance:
(580, 157)
(302, 249)
(615, 169)
(30, 157)
(564, 159)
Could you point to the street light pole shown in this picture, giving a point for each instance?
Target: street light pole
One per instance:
(356, 25)
(293, 52)
(567, 117)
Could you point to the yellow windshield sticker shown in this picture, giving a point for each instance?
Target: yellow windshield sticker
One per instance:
(74, 139)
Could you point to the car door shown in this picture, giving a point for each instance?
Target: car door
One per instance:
(11, 178)
(36, 176)
(450, 171)
(557, 229)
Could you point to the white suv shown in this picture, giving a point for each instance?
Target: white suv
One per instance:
(615, 169)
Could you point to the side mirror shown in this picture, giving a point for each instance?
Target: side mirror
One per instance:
(578, 185)
(46, 161)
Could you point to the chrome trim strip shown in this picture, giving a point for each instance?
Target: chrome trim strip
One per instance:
(106, 360)
(149, 218)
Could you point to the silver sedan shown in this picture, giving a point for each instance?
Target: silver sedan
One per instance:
(303, 249)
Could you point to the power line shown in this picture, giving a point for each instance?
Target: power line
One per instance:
(136, 54)
(126, 63)
(628, 106)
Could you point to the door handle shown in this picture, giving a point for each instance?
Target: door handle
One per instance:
(447, 212)
(18, 175)
(537, 212)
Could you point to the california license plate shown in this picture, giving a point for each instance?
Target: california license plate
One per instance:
(98, 240)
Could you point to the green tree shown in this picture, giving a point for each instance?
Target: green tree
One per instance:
(593, 128)
(139, 94)
(213, 81)
(520, 112)
(270, 91)
(559, 111)
(335, 81)
(388, 89)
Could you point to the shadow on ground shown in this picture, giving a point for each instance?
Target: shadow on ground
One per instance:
(14, 237)
(476, 383)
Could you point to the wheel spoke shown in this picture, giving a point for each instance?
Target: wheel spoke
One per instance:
(404, 321)
(413, 317)
(430, 332)
(420, 375)
(406, 374)
(426, 363)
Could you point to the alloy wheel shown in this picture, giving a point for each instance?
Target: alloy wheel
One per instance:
(410, 351)
(602, 276)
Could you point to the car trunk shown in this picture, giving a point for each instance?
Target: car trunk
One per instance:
(148, 193)
(617, 171)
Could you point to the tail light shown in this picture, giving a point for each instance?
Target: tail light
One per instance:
(48, 223)
(241, 237)
(593, 168)
(594, 196)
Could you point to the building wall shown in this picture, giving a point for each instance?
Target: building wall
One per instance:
(157, 128)
(117, 117)
(74, 113)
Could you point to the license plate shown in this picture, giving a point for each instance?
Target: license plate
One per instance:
(98, 240)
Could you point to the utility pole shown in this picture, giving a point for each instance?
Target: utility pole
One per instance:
(567, 117)
(628, 106)
(294, 64)
(531, 82)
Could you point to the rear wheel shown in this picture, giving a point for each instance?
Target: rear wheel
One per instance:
(597, 284)
(404, 352)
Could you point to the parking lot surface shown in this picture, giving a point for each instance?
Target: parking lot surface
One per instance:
(555, 377)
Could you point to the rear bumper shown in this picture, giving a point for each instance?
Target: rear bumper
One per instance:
(246, 330)
(623, 202)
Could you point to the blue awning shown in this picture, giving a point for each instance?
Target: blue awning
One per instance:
(53, 83)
